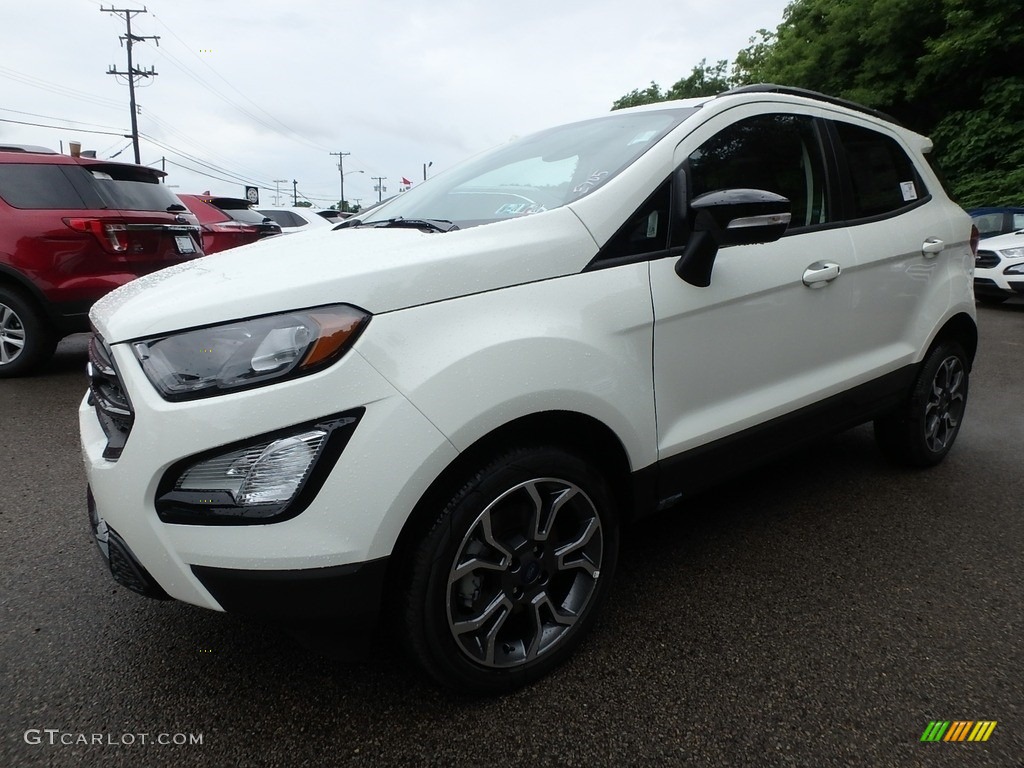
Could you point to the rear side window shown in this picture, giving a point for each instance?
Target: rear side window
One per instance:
(31, 185)
(882, 176)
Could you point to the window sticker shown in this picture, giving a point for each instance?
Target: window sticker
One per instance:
(909, 191)
(652, 225)
(643, 137)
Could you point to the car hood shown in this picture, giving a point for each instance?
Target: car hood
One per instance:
(1002, 242)
(379, 270)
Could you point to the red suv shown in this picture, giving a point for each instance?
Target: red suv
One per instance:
(228, 222)
(71, 230)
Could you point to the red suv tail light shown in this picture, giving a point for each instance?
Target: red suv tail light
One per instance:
(975, 239)
(113, 235)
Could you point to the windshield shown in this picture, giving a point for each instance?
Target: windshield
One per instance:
(537, 173)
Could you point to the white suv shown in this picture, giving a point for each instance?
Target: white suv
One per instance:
(444, 411)
(999, 268)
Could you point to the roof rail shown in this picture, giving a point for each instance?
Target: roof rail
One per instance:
(809, 94)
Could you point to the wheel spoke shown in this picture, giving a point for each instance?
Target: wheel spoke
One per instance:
(476, 562)
(495, 613)
(581, 542)
(540, 626)
(546, 510)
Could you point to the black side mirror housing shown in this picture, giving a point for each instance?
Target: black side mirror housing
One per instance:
(729, 217)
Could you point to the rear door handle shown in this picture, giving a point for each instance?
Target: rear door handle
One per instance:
(821, 273)
(932, 247)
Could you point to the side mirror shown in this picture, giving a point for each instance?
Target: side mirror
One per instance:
(729, 217)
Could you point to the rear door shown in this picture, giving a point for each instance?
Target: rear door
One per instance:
(909, 244)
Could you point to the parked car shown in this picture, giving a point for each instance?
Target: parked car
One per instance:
(228, 222)
(997, 221)
(999, 268)
(297, 219)
(333, 216)
(71, 230)
(447, 408)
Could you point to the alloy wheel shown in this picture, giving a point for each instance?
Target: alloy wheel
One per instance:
(945, 405)
(524, 573)
(12, 335)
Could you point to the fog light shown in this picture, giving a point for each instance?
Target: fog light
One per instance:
(270, 473)
(260, 481)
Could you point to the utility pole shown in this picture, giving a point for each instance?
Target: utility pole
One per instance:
(295, 193)
(341, 173)
(380, 188)
(277, 190)
(128, 40)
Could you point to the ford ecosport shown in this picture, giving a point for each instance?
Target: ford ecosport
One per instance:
(445, 409)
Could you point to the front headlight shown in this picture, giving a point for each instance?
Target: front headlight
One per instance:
(248, 353)
(1012, 253)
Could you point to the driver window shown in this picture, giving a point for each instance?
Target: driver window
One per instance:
(778, 153)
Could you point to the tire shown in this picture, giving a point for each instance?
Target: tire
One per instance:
(922, 431)
(26, 340)
(509, 578)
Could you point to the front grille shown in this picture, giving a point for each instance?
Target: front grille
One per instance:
(986, 260)
(107, 396)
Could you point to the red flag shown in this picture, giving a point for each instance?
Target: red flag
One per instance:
(406, 182)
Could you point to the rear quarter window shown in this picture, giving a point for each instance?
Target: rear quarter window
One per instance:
(32, 185)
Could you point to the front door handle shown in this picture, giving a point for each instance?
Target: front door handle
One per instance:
(932, 247)
(821, 273)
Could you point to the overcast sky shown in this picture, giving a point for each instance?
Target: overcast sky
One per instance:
(265, 90)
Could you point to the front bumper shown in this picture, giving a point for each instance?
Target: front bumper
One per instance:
(328, 561)
(1002, 288)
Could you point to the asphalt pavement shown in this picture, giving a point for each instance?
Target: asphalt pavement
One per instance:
(822, 611)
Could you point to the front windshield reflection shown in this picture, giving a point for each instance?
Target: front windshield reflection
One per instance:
(538, 173)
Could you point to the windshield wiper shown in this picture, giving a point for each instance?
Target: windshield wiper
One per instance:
(433, 225)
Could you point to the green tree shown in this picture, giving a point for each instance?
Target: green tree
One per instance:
(704, 80)
(945, 68)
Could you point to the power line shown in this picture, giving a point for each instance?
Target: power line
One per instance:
(59, 127)
(284, 130)
(51, 117)
(60, 90)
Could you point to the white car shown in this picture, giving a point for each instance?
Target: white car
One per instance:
(446, 409)
(297, 219)
(999, 268)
